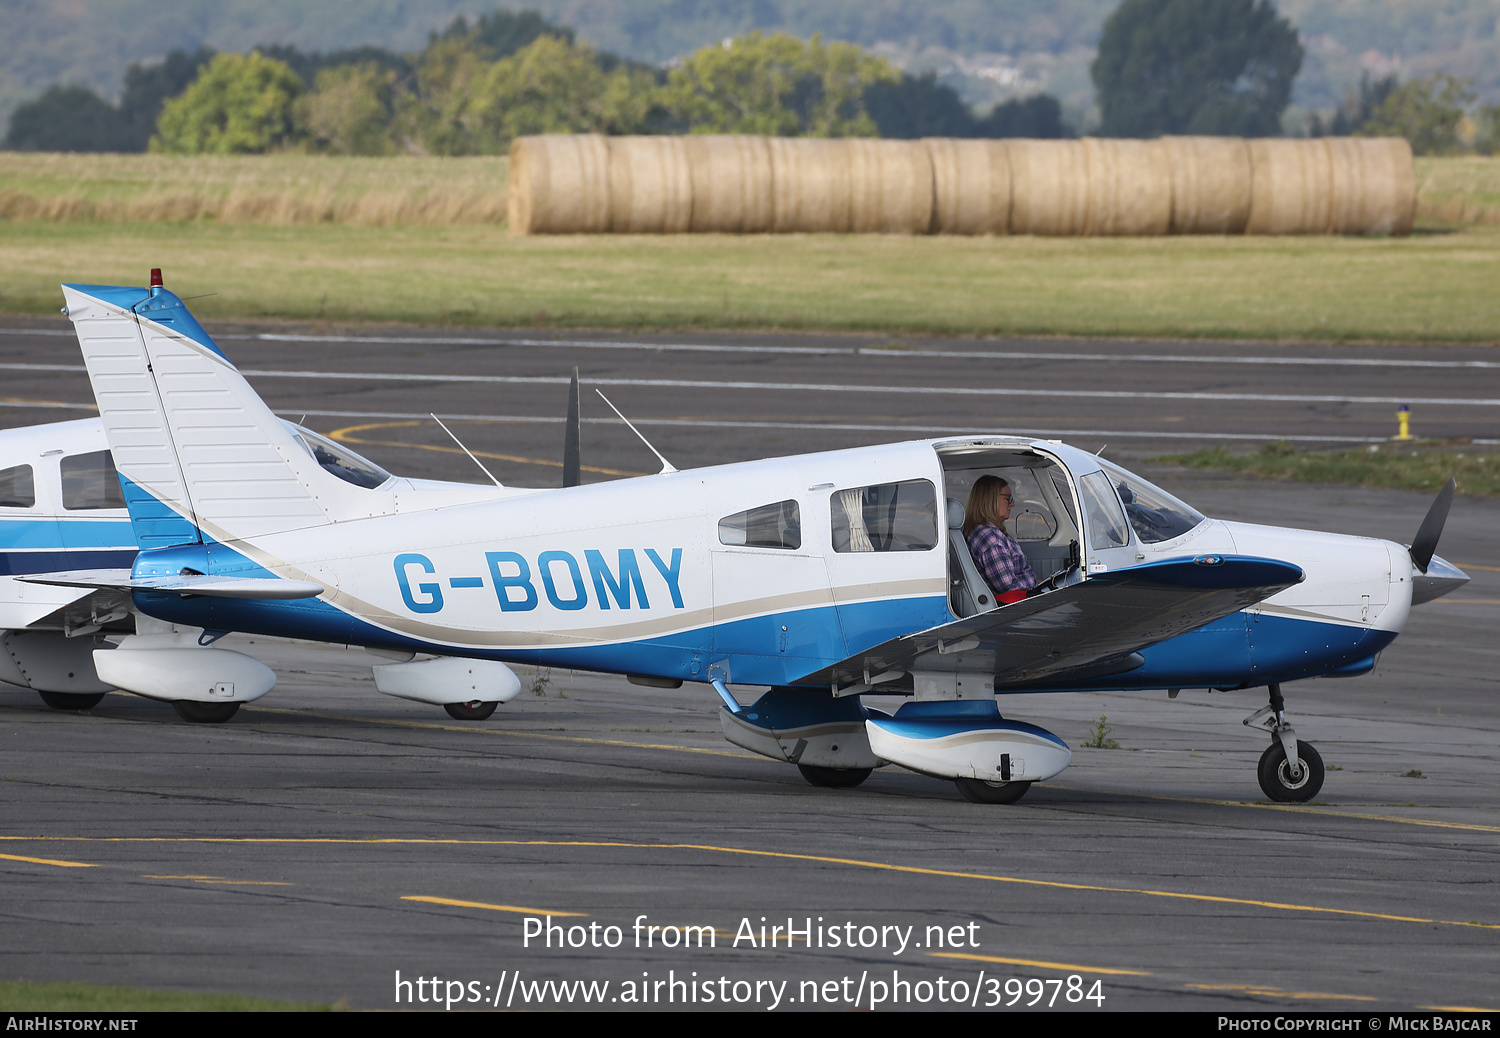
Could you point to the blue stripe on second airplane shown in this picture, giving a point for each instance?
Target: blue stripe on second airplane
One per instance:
(64, 533)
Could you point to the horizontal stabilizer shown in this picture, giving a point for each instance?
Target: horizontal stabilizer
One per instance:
(1071, 632)
(181, 584)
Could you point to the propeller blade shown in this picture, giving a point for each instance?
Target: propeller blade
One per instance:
(1425, 545)
(572, 451)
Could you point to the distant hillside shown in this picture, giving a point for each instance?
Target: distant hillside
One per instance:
(989, 49)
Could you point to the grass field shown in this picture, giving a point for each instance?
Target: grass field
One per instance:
(1429, 287)
(422, 240)
(1403, 466)
(289, 189)
(258, 189)
(1456, 191)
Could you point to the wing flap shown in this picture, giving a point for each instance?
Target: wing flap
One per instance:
(1094, 626)
(181, 584)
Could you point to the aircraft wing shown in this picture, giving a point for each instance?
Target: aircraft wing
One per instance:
(181, 584)
(1089, 629)
(18, 612)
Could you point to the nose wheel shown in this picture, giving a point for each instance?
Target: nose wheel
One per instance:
(1285, 784)
(1290, 771)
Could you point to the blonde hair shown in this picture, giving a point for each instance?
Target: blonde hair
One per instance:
(983, 508)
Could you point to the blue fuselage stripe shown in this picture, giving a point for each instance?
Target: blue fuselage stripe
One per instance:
(1220, 654)
(66, 533)
(16, 563)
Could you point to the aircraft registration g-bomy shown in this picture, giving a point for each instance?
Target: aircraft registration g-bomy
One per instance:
(823, 578)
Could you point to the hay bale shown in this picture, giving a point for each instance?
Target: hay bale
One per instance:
(731, 183)
(809, 185)
(890, 187)
(1049, 187)
(1211, 184)
(559, 184)
(970, 186)
(650, 187)
(1291, 187)
(1374, 185)
(1129, 188)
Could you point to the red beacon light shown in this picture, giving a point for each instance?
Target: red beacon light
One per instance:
(156, 277)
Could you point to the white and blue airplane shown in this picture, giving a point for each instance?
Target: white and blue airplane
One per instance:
(822, 578)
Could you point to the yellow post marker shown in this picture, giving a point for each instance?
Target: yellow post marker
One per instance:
(1403, 423)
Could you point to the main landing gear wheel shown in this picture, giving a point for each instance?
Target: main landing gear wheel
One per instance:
(204, 713)
(834, 778)
(978, 791)
(71, 700)
(470, 711)
(1276, 774)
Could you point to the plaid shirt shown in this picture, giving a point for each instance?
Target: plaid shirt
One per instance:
(1000, 560)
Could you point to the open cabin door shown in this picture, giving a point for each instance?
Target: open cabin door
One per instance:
(1044, 519)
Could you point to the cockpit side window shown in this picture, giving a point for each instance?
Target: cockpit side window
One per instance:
(1106, 524)
(885, 517)
(17, 487)
(90, 481)
(1064, 492)
(1154, 514)
(767, 526)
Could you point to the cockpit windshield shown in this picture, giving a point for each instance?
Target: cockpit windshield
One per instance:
(1154, 514)
(340, 460)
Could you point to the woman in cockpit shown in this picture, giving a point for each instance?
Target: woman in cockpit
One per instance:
(996, 553)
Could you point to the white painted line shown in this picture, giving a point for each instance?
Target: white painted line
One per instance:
(781, 387)
(49, 405)
(879, 351)
(862, 351)
(548, 343)
(915, 431)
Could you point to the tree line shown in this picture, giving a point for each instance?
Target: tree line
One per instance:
(1216, 67)
(478, 85)
(1225, 67)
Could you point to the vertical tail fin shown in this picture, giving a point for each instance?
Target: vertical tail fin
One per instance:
(199, 453)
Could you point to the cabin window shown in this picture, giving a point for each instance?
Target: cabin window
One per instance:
(887, 517)
(90, 481)
(768, 526)
(1154, 514)
(1107, 527)
(17, 489)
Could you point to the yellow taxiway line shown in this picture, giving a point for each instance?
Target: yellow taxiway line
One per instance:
(1282, 906)
(1039, 964)
(493, 908)
(589, 740)
(49, 861)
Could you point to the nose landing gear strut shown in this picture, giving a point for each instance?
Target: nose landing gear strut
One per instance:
(1290, 772)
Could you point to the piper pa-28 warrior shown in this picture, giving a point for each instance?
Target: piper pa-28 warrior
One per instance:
(824, 578)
